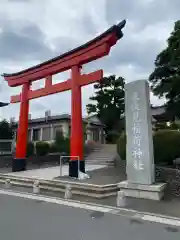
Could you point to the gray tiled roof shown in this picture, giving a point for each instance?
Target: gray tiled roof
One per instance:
(51, 118)
(58, 117)
(155, 111)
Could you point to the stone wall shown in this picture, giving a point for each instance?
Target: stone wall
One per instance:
(163, 174)
(171, 177)
(6, 161)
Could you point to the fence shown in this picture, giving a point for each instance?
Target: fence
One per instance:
(6, 146)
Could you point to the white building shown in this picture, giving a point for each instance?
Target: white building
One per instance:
(44, 129)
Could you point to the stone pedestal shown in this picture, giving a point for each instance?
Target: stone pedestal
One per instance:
(140, 167)
(152, 192)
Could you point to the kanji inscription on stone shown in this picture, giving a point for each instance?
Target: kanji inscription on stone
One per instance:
(139, 148)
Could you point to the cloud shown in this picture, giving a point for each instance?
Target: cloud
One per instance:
(26, 1)
(23, 44)
(142, 13)
(33, 31)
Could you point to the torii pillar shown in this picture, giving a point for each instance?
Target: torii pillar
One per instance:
(19, 163)
(76, 124)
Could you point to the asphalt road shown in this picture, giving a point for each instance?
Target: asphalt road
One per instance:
(24, 219)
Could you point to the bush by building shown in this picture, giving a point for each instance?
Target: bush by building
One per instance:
(53, 148)
(6, 131)
(166, 145)
(42, 148)
(62, 144)
(30, 149)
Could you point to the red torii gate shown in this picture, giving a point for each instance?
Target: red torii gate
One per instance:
(74, 59)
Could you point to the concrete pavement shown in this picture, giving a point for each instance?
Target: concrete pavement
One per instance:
(51, 172)
(35, 217)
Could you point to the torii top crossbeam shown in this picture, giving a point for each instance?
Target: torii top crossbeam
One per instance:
(2, 104)
(74, 59)
(90, 51)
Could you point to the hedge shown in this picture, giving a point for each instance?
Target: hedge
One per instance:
(121, 146)
(166, 145)
(42, 148)
(53, 148)
(30, 149)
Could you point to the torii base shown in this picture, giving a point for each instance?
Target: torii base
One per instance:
(19, 164)
(73, 167)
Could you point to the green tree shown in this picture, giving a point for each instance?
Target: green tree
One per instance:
(62, 144)
(6, 131)
(109, 104)
(165, 79)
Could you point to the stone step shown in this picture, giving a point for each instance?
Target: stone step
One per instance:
(101, 163)
(104, 150)
(99, 158)
(78, 188)
(103, 154)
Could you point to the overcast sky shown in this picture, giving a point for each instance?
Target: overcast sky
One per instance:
(32, 31)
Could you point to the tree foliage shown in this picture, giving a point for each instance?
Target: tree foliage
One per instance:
(42, 148)
(6, 131)
(108, 102)
(165, 79)
(62, 144)
(166, 145)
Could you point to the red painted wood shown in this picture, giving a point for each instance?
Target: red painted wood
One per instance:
(48, 82)
(92, 53)
(90, 78)
(22, 133)
(49, 89)
(15, 98)
(76, 116)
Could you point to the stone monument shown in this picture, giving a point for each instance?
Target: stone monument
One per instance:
(140, 167)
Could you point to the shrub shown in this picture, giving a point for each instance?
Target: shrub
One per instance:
(121, 146)
(30, 149)
(6, 131)
(163, 126)
(42, 148)
(166, 146)
(65, 146)
(53, 148)
(112, 136)
(62, 143)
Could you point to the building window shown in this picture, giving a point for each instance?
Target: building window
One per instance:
(36, 134)
(46, 134)
(95, 135)
(29, 134)
(57, 129)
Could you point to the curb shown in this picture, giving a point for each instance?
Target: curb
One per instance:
(78, 188)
